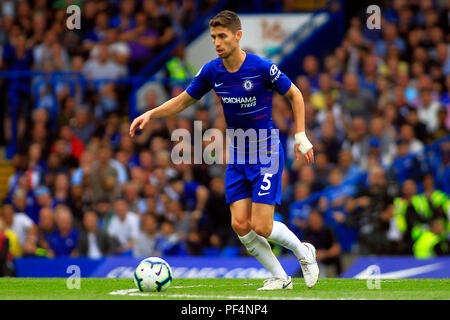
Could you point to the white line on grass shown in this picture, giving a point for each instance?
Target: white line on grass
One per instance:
(135, 292)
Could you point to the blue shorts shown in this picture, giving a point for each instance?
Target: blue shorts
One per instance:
(260, 182)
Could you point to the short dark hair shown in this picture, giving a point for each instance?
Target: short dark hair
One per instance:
(227, 19)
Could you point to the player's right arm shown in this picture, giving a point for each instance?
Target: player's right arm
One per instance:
(167, 109)
(199, 86)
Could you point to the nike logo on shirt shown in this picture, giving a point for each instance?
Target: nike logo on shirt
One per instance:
(261, 194)
(217, 84)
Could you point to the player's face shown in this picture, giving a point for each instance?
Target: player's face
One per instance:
(225, 41)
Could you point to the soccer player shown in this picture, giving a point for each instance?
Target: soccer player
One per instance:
(244, 82)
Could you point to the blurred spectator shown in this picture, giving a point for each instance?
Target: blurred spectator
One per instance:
(374, 238)
(37, 244)
(326, 94)
(329, 143)
(323, 238)
(407, 133)
(420, 129)
(131, 193)
(383, 140)
(368, 76)
(345, 163)
(402, 229)
(370, 201)
(23, 202)
(66, 114)
(178, 69)
(390, 38)
(6, 258)
(299, 209)
(445, 100)
(102, 67)
(432, 242)
(18, 222)
(124, 227)
(357, 142)
(185, 14)
(311, 68)
(124, 19)
(307, 174)
(64, 239)
(74, 145)
(144, 245)
(183, 223)
(83, 127)
(103, 176)
(36, 167)
(142, 41)
(159, 21)
(118, 50)
(322, 167)
(191, 194)
(358, 102)
(168, 242)
(218, 215)
(105, 212)
(98, 32)
(405, 166)
(44, 198)
(61, 189)
(425, 207)
(82, 173)
(428, 110)
(16, 56)
(94, 242)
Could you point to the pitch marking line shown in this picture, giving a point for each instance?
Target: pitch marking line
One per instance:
(135, 292)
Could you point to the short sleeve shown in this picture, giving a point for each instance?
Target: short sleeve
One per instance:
(275, 79)
(201, 83)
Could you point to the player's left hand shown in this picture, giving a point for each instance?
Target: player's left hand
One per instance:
(309, 156)
(303, 147)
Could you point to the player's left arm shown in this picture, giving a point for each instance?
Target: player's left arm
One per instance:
(302, 145)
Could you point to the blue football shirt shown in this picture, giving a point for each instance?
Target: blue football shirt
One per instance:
(246, 95)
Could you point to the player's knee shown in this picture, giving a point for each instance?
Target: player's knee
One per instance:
(262, 229)
(241, 227)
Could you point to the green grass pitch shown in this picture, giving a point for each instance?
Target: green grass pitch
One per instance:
(222, 289)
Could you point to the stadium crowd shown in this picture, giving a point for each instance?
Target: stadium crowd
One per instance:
(83, 187)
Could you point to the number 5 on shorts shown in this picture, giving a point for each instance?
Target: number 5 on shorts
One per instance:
(267, 181)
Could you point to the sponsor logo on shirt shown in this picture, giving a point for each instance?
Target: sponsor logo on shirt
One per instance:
(274, 70)
(245, 102)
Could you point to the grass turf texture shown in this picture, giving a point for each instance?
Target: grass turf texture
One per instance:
(223, 289)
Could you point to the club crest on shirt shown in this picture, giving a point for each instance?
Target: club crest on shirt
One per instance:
(248, 85)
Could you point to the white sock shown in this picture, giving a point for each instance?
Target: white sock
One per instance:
(286, 238)
(258, 247)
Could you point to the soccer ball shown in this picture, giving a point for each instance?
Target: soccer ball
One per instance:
(153, 274)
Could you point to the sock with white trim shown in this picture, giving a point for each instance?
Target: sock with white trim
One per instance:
(258, 247)
(286, 238)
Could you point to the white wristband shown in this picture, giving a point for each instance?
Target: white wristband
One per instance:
(303, 142)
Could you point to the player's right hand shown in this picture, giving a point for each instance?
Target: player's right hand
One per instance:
(139, 122)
